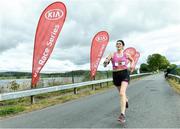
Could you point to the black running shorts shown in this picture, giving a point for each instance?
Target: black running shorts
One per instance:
(119, 76)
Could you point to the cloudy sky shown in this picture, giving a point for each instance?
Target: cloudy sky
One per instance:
(151, 26)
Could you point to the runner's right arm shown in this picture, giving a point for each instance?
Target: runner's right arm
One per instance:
(107, 60)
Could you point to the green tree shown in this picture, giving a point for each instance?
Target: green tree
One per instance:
(173, 69)
(178, 71)
(144, 68)
(173, 66)
(157, 62)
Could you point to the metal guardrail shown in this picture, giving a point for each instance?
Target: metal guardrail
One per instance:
(32, 92)
(176, 77)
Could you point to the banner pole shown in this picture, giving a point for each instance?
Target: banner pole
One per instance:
(32, 96)
(92, 79)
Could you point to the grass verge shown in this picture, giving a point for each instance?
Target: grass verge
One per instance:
(7, 110)
(174, 85)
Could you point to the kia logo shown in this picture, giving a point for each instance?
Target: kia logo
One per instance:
(101, 38)
(54, 14)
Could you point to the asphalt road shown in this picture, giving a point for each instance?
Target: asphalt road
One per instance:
(153, 104)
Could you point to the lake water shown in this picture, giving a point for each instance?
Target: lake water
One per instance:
(6, 85)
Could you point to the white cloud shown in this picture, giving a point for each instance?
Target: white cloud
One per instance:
(164, 41)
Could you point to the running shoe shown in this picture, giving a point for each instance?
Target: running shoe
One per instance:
(121, 118)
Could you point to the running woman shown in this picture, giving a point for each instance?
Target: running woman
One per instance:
(121, 75)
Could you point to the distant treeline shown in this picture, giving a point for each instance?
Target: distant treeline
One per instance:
(77, 73)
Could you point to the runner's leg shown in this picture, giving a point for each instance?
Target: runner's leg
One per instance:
(123, 97)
